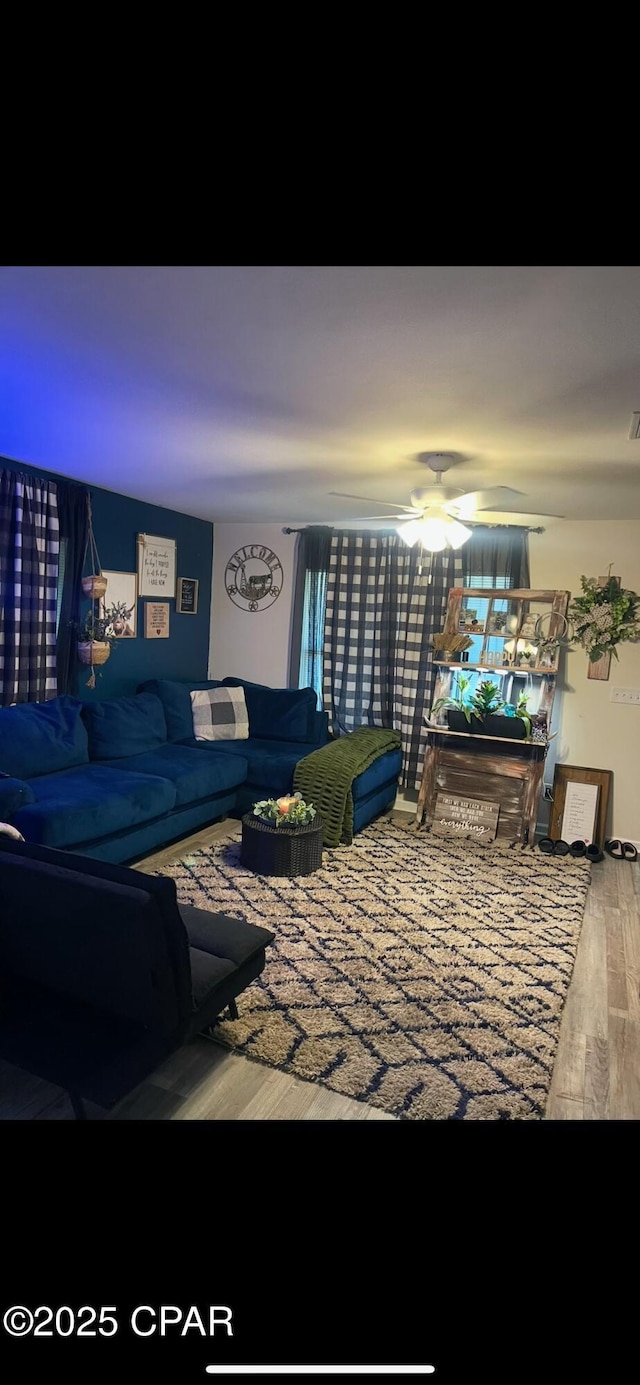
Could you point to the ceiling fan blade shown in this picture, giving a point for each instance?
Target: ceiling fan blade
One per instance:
(506, 516)
(496, 498)
(393, 505)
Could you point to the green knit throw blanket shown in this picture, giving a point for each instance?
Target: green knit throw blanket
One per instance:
(325, 777)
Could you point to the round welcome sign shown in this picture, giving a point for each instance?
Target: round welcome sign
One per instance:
(253, 577)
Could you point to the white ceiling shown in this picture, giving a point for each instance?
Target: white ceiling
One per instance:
(249, 393)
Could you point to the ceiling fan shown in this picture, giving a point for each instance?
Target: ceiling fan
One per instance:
(437, 513)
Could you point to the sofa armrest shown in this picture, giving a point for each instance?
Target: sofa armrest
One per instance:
(14, 794)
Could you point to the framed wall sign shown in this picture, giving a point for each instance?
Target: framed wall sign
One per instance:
(455, 816)
(156, 620)
(156, 566)
(580, 807)
(187, 596)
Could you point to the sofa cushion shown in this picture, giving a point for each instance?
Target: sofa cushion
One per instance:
(381, 771)
(122, 726)
(278, 714)
(103, 945)
(220, 714)
(176, 700)
(42, 737)
(14, 794)
(270, 763)
(223, 936)
(85, 805)
(195, 776)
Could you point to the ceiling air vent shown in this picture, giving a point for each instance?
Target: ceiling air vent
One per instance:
(634, 430)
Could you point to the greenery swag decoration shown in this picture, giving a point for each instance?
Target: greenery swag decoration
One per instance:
(604, 616)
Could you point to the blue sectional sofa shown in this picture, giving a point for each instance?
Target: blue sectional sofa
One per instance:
(117, 779)
(284, 725)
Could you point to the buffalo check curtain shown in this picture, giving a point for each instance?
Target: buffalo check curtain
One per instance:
(29, 549)
(384, 601)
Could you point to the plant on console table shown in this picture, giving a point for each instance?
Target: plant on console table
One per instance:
(457, 706)
(288, 811)
(485, 712)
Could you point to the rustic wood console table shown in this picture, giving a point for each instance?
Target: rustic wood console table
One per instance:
(505, 772)
(514, 634)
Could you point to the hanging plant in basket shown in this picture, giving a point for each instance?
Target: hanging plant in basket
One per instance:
(95, 584)
(96, 637)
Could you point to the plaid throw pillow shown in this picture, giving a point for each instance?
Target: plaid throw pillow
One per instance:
(219, 714)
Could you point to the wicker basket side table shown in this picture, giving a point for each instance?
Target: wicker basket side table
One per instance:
(281, 850)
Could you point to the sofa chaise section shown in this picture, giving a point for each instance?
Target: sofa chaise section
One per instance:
(284, 726)
(101, 779)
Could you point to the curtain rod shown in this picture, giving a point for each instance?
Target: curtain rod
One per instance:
(526, 528)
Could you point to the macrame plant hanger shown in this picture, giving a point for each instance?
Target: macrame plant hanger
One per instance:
(94, 586)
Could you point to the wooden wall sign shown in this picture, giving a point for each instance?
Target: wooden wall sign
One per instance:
(601, 668)
(465, 817)
(156, 620)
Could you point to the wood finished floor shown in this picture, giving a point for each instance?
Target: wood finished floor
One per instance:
(596, 1075)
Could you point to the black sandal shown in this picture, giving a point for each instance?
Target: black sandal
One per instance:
(578, 848)
(630, 851)
(593, 852)
(615, 848)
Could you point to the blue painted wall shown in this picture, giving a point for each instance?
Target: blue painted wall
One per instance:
(117, 521)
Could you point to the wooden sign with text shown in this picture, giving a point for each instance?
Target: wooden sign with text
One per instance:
(465, 817)
(156, 620)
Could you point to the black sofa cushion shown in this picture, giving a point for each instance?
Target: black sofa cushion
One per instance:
(103, 948)
(98, 980)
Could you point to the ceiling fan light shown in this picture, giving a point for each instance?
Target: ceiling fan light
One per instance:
(410, 531)
(433, 534)
(457, 534)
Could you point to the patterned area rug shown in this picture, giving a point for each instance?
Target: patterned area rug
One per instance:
(422, 975)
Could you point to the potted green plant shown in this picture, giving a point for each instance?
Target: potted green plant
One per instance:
(485, 705)
(516, 721)
(457, 706)
(95, 638)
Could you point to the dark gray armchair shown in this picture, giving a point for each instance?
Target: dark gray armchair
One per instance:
(103, 974)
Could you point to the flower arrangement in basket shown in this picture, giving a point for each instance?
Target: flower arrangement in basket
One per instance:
(604, 616)
(288, 811)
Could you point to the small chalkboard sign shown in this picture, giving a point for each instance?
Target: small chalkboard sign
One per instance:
(465, 817)
(187, 598)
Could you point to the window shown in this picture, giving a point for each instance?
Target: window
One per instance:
(312, 638)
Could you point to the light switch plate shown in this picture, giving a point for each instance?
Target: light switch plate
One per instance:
(629, 695)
